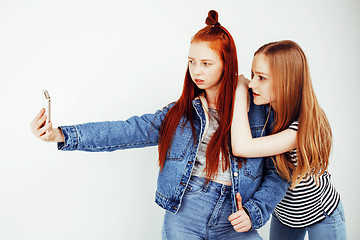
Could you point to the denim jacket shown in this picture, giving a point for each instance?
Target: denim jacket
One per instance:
(260, 186)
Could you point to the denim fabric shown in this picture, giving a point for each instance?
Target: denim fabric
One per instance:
(257, 181)
(331, 228)
(204, 214)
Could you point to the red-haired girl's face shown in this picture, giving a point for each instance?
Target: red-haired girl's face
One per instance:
(260, 80)
(205, 67)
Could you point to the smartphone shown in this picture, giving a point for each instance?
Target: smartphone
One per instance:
(47, 105)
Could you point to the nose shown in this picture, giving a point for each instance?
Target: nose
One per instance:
(197, 70)
(252, 84)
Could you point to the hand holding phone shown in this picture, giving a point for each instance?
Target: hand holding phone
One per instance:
(43, 129)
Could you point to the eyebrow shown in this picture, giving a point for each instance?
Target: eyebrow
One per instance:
(202, 60)
(260, 73)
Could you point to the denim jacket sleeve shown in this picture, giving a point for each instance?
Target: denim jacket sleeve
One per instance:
(270, 192)
(272, 187)
(136, 132)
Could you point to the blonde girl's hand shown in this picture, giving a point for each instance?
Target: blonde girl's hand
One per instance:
(243, 83)
(44, 130)
(242, 95)
(240, 220)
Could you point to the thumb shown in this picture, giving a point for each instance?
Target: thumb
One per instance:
(238, 200)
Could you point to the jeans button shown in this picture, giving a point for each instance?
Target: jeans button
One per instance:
(236, 174)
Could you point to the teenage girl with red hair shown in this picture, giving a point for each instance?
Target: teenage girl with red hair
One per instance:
(300, 142)
(200, 181)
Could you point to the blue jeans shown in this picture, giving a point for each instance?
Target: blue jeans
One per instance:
(203, 214)
(331, 228)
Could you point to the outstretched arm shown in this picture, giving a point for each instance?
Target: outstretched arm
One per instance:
(242, 142)
(135, 132)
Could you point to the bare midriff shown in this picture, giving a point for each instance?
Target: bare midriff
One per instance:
(228, 183)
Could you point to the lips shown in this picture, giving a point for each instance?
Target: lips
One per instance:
(199, 81)
(255, 94)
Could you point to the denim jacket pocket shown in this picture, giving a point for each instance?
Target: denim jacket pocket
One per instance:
(178, 149)
(251, 171)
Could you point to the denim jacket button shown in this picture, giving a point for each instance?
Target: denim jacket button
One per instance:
(236, 174)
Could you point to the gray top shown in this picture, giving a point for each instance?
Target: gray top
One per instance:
(200, 162)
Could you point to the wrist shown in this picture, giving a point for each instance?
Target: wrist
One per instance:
(58, 135)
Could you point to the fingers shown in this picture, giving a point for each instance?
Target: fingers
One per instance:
(241, 228)
(234, 216)
(238, 200)
(47, 136)
(41, 131)
(47, 128)
(38, 125)
(38, 116)
(237, 218)
(242, 85)
(240, 221)
(39, 128)
(243, 79)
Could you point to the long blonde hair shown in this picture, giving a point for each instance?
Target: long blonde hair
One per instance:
(295, 99)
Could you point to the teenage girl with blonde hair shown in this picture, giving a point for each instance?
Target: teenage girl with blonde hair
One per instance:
(300, 142)
(199, 180)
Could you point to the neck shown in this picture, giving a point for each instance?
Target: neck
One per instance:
(211, 99)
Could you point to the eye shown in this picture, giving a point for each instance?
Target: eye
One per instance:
(207, 64)
(262, 78)
(191, 61)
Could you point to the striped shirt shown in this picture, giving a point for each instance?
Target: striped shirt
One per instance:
(308, 202)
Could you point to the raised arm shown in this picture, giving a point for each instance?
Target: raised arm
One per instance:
(242, 142)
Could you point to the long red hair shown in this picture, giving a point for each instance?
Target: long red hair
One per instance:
(222, 43)
(295, 99)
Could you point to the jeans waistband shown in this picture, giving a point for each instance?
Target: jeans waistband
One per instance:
(211, 185)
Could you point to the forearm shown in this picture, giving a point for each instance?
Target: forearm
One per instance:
(241, 136)
(107, 136)
(136, 132)
(245, 144)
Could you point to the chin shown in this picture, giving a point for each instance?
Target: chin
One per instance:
(259, 103)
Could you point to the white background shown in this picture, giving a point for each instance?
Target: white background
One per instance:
(108, 60)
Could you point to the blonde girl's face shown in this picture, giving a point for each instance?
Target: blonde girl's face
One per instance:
(260, 80)
(205, 67)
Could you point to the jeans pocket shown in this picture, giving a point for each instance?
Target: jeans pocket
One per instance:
(194, 188)
(340, 208)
